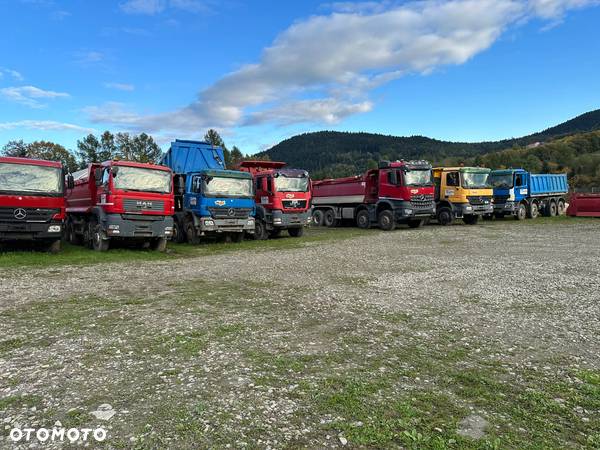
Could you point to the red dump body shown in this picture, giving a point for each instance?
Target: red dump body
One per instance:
(584, 205)
(115, 200)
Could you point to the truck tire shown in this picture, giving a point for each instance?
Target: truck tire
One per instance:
(190, 232)
(444, 216)
(98, 244)
(72, 237)
(386, 220)
(317, 217)
(296, 232)
(363, 219)
(260, 231)
(159, 245)
(416, 223)
(534, 211)
(179, 235)
(552, 209)
(471, 219)
(54, 246)
(561, 208)
(329, 218)
(521, 212)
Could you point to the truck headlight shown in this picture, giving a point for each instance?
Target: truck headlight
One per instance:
(468, 208)
(54, 229)
(113, 227)
(209, 223)
(251, 222)
(168, 230)
(408, 212)
(277, 220)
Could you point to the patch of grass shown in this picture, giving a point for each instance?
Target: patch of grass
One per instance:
(9, 345)
(15, 401)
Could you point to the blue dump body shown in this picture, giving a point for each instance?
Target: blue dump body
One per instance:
(514, 187)
(210, 200)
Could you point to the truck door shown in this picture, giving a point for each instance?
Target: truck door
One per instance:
(103, 188)
(520, 186)
(452, 184)
(192, 199)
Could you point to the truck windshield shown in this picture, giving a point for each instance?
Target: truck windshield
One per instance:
(501, 181)
(284, 183)
(474, 180)
(27, 178)
(145, 180)
(417, 178)
(228, 187)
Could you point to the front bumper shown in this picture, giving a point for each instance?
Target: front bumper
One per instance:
(474, 210)
(291, 220)
(405, 211)
(505, 208)
(23, 231)
(134, 226)
(208, 225)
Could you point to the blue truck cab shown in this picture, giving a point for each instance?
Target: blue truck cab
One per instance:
(522, 194)
(210, 201)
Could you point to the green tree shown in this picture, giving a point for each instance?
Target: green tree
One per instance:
(236, 155)
(88, 150)
(144, 149)
(52, 152)
(17, 149)
(214, 138)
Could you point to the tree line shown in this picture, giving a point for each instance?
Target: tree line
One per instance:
(108, 146)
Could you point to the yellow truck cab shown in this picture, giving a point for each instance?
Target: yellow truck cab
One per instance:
(462, 193)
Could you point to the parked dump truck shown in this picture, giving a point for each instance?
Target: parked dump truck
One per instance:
(398, 192)
(210, 201)
(585, 204)
(121, 200)
(522, 194)
(32, 201)
(282, 197)
(462, 193)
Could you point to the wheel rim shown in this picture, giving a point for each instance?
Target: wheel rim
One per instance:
(97, 239)
(362, 220)
(534, 210)
(444, 217)
(385, 221)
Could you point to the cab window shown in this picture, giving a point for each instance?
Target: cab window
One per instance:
(269, 184)
(259, 181)
(105, 176)
(519, 179)
(452, 179)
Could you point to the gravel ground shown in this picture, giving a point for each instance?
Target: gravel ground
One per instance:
(459, 337)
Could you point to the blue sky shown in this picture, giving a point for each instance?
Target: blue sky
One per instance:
(262, 71)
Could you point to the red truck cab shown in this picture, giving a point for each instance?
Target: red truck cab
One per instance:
(282, 197)
(400, 192)
(32, 201)
(121, 200)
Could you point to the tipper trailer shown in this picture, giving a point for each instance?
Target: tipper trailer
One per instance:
(398, 192)
(121, 200)
(523, 194)
(282, 196)
(584, 204)
(210, 201)
(462, 193)
(32, 201)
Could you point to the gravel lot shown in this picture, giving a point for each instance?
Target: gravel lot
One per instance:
(459, 337)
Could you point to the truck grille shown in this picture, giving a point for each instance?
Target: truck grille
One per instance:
(424, 201)
(134, 205)
(500, 198)
(294, 204)
(27, 214)
(230, 213)
(479, 199)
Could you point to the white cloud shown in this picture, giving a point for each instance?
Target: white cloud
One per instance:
(45, 125)
(153, 7)
(88, 58)
(30, 95)
(11, 73)
(322, 69)
(120, 86)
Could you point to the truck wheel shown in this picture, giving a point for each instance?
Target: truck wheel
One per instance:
(159, 245)
(471, 219)
(275, 233)
(534, 211)
(72, 236)
(54, 246)
(416, 223)
(386, 220)
(296, 232)
(179, 236)
(521, 212)
(552, 209)
(260, 231)
(363, 219)
(444, 216)
(317, 217)
(561, 208)
(237, 237)
(99, 244)
(190, 233)
(329, 218)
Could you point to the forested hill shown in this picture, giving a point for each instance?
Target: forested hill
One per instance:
(331, 153)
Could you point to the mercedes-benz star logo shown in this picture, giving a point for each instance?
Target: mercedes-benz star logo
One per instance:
(231, 212)
(20, 213)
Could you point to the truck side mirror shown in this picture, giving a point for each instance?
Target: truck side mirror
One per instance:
(98, 175)
(70, 181)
